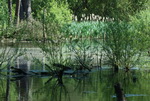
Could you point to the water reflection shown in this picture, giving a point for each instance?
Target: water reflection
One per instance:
(8, 87)
(94, 86)
(54, 91)
(22, 87)
(74, 85)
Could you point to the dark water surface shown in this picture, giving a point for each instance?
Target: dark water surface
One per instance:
(94, 86)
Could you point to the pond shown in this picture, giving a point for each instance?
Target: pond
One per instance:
(97, 85)
(82, 85)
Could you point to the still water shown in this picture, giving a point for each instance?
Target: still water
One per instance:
(96, 85)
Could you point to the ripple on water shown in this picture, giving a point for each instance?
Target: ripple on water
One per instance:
(132, 95)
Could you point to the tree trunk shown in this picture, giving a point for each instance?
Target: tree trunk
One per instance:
(116, 68)
(23, 10)
(119, 92)
(17, 12)
(10, 11)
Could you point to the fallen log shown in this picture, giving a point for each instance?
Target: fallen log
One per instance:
(18, 71)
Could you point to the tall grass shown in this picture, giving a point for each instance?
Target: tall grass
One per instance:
(84, 29)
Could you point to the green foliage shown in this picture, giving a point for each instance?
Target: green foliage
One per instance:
(118, 9)
(3, 16)
(52, 11)
(24, 31)
(3, 10)
(60, 12)
(121, 47)
(7, 55)
(52, 15)
(84, 29)
(83, 57)
(54, 54)
(141, 26)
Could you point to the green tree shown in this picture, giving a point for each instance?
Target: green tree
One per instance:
(118, 9)
(57, 11)
(122, 46)
(141, 26)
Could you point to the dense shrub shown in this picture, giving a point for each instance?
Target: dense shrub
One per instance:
(141, 26)
(121, 46)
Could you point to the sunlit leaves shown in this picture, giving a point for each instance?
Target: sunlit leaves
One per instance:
(52, 11)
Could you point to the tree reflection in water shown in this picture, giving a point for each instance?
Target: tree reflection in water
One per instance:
(55, 90)
(7, 54)
(96, 86)
(23, 88)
